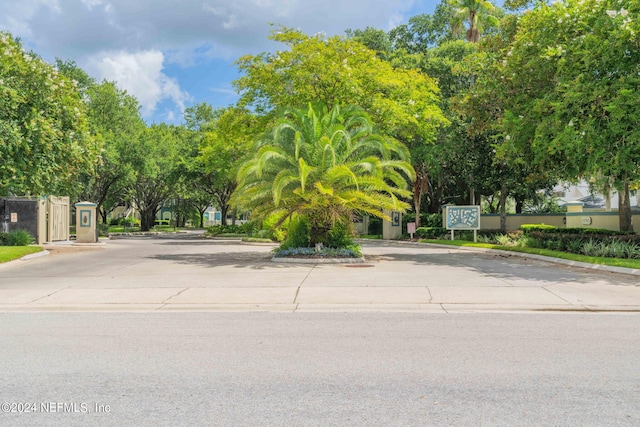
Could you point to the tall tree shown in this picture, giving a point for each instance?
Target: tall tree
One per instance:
(46, 144)
(339, 70)
(223, 137)
(401, 101)
(326, 165)
(153, 159)
(583, 118)
(476, 14)
(113, 118)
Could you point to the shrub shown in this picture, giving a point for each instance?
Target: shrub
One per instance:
(267, 228)
(216, 230)
(3, 239)
(430, 232)
(528, 228)
(103, 229)
(589, 248)
(340, 236)
(129, 222)
(19, 238)
(426, 220)
(298, 233)
(575, 246)
(162, 222)
(503, 240)
(352, 251)
(589, 231)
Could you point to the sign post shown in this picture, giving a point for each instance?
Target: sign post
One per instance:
(411, 228)
(463, 218)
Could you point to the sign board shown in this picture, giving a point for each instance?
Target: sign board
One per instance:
(85, 218)
(14, 217)
(462, 217)
(411, 227)
(395, 219)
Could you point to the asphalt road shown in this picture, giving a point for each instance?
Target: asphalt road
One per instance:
(310, 369)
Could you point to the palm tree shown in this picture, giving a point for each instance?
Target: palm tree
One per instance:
(326, 165)
(477, 13)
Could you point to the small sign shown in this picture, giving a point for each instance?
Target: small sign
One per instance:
(85, 218)
(14, 217)
(586, 220)
(395, 219)
(411, 228)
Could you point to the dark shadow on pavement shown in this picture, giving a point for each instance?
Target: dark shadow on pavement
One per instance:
(240, 260)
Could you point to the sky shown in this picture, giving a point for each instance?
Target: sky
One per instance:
(172, 54)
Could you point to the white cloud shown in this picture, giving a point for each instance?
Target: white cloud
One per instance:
(140, 74)
(130, 41)
(77, 28)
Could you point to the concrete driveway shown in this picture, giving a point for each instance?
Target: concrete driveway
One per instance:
(185, 272)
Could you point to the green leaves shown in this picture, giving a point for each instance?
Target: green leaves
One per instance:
(45, 138)
(325, 164)
(341, 71)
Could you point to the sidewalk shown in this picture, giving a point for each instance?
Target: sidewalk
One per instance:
(185, 274)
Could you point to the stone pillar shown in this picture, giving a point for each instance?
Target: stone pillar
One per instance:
(574, 214)
(86, 231)
(392, 230)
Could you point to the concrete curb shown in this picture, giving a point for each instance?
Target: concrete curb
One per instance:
(319, 260)
(34, 255)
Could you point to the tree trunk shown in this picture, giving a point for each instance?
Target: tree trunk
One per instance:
(202, 217)
(436, 202)
(519, 206)
(503, 208)
(223, 214)
(419, 186)
(624, 208)
(147, 219)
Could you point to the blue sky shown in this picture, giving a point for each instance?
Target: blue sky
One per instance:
(171, 54)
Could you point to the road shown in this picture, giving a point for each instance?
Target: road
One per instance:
(185, 272)
(310, 369)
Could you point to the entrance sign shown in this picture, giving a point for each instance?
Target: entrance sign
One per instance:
(463, 218)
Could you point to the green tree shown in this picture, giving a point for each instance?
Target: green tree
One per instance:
(425, 31)
(338, 70)
(326, 165)
(113, 118)
(476, 14)
(223, 137)
(401, 101)
(153, 159)
(583, 119)
(45, 140)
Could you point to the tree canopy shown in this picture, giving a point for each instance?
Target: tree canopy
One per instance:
(45, 142)
(574, 73)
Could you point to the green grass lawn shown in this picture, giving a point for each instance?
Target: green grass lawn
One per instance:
(9, 253)
(614, 262)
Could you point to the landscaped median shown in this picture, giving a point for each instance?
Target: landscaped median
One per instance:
(10, 253)
(612, 262)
